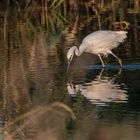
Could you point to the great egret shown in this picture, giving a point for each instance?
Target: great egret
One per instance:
(100, 43)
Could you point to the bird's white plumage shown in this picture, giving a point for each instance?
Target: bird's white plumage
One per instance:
(100, 43)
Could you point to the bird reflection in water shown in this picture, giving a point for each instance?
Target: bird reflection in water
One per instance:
(101, 91)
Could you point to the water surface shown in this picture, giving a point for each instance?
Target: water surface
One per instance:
(40, 99)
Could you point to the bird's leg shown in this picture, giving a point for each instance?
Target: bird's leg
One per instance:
(101, 60)
(101, 72)
(120, 61)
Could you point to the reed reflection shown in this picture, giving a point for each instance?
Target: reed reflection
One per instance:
(42, 122)
(102, 90)
(24, 71)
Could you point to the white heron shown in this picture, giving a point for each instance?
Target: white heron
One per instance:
(100, 43)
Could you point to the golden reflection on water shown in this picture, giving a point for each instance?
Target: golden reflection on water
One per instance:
(24, 67)
(41, 123)
(32, 75)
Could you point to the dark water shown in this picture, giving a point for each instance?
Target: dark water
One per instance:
(40, 100)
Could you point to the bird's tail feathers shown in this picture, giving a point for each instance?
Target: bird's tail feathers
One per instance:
(122, 35)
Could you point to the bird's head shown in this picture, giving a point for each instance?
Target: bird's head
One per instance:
(70, 54)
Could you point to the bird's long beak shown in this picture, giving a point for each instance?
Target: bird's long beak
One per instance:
(69, 62)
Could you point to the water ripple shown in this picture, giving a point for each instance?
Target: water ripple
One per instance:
(126, 66)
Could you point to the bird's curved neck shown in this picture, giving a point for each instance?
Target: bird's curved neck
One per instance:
(77, 51)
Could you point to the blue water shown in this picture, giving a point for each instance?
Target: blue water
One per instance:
(110, 66)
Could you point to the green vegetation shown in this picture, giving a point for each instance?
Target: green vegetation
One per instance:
(58, 13)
